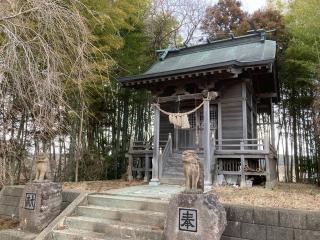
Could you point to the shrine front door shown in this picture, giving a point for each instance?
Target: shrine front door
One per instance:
(192, 138)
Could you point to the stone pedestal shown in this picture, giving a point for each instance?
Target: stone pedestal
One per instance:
(195, 216)
(39, 205)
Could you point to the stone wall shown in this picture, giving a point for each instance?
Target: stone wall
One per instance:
(244, 222)
(10, 199)
(255, 223)
(68, 197)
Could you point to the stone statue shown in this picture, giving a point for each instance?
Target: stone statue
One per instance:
(42, 162)
(193, 171)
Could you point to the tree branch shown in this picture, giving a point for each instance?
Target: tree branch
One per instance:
(18, 14)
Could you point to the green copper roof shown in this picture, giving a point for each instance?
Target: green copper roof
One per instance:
(238, 52)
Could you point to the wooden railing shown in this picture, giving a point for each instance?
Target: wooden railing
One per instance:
(165, 154)
(261, 145)
(143, 145)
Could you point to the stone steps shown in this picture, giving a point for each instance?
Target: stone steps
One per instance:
(127, 202)
(115, 229)
(179, 171)
(177, 162)
(123, 215)
(173, 172)
(170, 165)
(115, 217)
(76, 234)
(172, 180)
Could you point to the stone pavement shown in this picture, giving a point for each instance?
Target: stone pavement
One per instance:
(163, 192)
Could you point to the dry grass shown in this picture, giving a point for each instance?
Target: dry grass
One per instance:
(8, 223)
(100, 186)
(284, 195)
(292, 196)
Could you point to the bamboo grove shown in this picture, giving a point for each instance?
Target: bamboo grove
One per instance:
(59, 60)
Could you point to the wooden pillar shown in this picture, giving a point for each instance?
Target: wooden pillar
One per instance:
(272, 123)
(130, 166)
(146, 168)
(139, 174)
(266, 144)
(243, 176)
(155, 159)
(206, 143)
(268, 173)
(176, 138)
(130, 161)
(267, 160)
(219, 125)
(244, 111)
(213, 158)
(197, 115)
(160, 163)
(251, 115)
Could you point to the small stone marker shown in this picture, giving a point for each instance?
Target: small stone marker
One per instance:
(39, 205)
(195, 216)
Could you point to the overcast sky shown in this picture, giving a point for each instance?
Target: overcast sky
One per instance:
(248, 5)
(252, 5)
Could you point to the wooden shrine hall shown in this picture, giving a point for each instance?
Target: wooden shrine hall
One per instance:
(209, 98)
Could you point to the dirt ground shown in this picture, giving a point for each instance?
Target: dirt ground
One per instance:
(7, 224)
(283, 195)
(100, 186)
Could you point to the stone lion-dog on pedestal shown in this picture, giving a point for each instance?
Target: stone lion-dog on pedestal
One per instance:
(193, 171)
(42, 164)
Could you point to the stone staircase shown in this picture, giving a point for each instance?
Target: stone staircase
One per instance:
(173, 172)
(115, 217)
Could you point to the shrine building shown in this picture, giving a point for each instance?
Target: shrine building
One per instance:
(217, 99)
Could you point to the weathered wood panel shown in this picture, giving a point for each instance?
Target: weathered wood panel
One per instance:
(231, 113)
(232, 91)
(231, 120)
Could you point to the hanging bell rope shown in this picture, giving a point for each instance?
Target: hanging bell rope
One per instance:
(184, 113)
(179, 120)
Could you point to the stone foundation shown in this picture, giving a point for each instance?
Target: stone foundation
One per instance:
(257, 223)
(39, 205)
(244, 222)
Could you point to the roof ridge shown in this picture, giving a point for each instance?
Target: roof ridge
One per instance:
(253, 36)
(225, 43)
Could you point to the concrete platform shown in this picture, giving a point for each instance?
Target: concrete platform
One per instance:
(163, 192)
(13, 234)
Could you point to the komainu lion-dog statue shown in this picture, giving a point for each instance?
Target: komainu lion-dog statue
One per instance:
(193, 171)
(42, 162)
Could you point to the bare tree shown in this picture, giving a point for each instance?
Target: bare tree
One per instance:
(44, 47)
(174, 22)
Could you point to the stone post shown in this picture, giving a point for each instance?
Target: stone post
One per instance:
(206, 143)
(155, 159)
